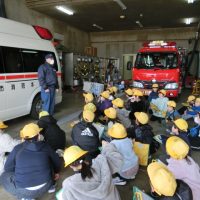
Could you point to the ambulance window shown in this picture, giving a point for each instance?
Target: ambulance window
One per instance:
(33, 59)
(12, 60)
(1, 63)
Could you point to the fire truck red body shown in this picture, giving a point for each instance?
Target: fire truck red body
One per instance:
(158, 62)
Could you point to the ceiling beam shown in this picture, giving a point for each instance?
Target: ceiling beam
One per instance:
(45, 3)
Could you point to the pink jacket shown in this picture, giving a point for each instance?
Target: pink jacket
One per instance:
(189, 172)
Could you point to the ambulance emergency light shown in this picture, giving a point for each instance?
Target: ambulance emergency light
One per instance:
(159, 43)
(43, 32)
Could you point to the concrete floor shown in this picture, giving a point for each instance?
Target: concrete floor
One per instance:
(66, 112)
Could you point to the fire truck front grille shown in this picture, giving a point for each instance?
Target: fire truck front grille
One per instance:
(148, 85)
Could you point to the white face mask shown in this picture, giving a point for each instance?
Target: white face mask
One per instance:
(197, 120)
(51, 62)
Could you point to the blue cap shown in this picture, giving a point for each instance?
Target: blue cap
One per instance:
(49, 56)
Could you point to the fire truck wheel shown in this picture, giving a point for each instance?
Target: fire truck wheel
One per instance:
(36, 107)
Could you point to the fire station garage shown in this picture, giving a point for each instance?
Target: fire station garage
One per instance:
(100, 99)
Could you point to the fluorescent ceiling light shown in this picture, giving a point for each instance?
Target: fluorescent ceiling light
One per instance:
(139, 24)
(188, 21)
(190, 1)
(121, 4)
(65, 10)
(97, 26)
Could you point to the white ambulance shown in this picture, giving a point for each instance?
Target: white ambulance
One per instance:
(22, 50)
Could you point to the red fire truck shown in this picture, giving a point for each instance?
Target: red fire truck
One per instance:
(158, 62)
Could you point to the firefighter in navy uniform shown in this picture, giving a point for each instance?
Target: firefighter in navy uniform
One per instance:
(49, 84)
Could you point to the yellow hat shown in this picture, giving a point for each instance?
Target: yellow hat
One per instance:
(129, 92)
(197, 100)
(191, 98)
(105, 94)
(2, 125)
(177, 148)
(138, 93)
(30, 131)
(162, 180)
(118, 102)
(90, 106)
(88, 97)
(115, 89)
(117, 131)
(171, 104)
(72, 154)
(181, 124)
(110, 89)
(163, 92)
(43, 114)
(88, 116)
(110, 113)
(142, 117)
(155, 85)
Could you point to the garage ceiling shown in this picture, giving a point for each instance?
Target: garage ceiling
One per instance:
(106, 13)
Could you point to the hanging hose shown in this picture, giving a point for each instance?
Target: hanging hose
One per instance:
(193, 53)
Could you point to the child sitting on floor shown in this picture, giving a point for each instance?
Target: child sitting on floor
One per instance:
(191, 112)
(142, 131)
(154, 93)
(125, 146)
(137, 103)
(159, 107)
(172, 114)
(103, 103)
(189, 104)
(183, 166)
(122, 113)
(129, 96)
(7, 143)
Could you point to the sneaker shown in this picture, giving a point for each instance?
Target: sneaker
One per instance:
(60, 152)
(118, 181)
(52, 189)
(158, 138)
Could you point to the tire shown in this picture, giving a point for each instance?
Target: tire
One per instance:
(36, 107)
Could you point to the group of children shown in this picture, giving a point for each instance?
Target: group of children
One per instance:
(102, 155)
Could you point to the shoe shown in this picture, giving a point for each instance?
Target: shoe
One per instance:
(60, 152)
(118, 181)
(52, 189)
(158, 138)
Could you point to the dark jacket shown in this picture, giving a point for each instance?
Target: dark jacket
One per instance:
(183, 192)
(102, 105)
(32, 163)
(143, 134)
(52, 133)
(136, 107)
(184, 136)
(152, 95)
(47, 76)
(85, 136)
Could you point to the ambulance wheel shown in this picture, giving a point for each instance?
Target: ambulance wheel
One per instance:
(36, 107)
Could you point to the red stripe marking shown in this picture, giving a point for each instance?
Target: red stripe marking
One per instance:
(2, 77)
(30, 76)
(23, 76)
(15, 76)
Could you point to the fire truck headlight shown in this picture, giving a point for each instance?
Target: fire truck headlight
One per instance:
(171, 86)
(137, 84)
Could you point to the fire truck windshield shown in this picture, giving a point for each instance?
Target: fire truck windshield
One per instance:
(156, 60)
